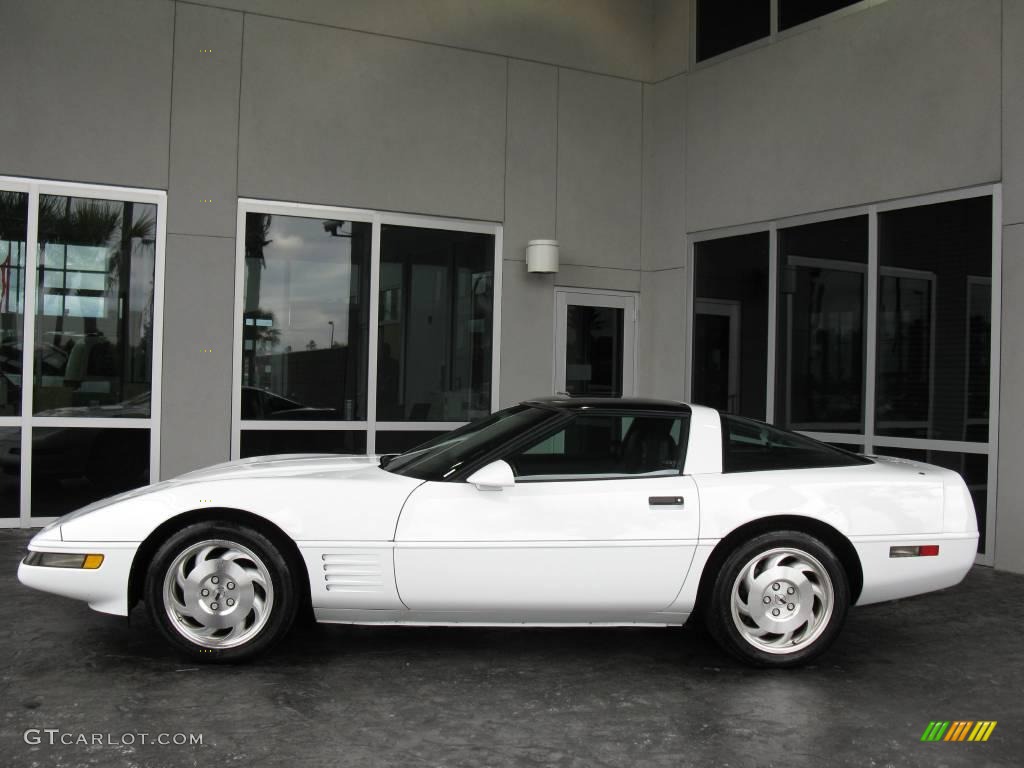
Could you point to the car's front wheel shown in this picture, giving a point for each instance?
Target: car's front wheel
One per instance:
(220, 591)
(779, 600)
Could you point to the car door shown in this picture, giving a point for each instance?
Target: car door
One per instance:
(599, 525)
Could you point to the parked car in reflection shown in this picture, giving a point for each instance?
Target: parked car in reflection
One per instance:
(264, 404)
(110, 459)
(115, 459)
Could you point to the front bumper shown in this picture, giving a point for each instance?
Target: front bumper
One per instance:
(105, 589)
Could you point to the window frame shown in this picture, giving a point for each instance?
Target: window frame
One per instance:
(775, 34)
(871, 441)
(370, 425)
(27, 421)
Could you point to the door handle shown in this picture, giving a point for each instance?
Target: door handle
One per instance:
(666, 501)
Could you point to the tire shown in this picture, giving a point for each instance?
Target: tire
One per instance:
(221, 592)
(779, 600)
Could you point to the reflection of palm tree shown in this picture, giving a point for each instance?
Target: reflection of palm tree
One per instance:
(13, 225)
(112, 226)
(257, 231)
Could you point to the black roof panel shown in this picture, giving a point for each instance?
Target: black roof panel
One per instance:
(609, 403)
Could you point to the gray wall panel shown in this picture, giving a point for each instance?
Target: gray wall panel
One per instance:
(86, 90)
(532, 150)
(527, 333)
(1013, 111)
(608, 36)
(599, 278)
(670, 38)
(599, 170)
(528, 300)
(664, 326)
(330, 116)
(664, 209)
(204, 121)
(898, 100)
(1009, 554)
(195, 429)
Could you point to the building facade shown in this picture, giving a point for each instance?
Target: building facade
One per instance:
(239, 227)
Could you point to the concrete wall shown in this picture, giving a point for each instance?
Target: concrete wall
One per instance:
(200, 259)
(1010, 493)
(897, 100)
(664, 308)
(605, 36)
(86, 90)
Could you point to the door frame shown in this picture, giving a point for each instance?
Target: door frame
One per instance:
(628, 301)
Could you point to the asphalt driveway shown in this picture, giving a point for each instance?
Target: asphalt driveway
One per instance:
(80, 688)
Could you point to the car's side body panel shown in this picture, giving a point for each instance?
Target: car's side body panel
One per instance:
(360, 504)
(380, 547)
(871, 499)
(577, 547)
(354, 575)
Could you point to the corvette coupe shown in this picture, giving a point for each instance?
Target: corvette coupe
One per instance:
(554, 512)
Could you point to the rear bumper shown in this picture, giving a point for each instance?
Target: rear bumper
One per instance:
(104, 589)
(891, 578)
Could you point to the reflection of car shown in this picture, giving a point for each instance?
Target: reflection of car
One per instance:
(109, 458)
(50, 360)
(553, 512)
(262, 404)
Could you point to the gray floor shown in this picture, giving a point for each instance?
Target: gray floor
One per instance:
(343, 696)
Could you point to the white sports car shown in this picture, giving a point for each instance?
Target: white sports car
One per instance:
(555, 512)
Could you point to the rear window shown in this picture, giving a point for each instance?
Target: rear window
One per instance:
(751, 446)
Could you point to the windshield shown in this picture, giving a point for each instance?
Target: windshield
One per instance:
(443, 456)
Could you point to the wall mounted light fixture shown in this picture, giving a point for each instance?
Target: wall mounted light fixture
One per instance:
(542, 256)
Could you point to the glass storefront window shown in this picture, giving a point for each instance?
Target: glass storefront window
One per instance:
(435, 326)
(76, 371)
(13, 235)
(306, 318)
(934, 321)
(75, 466)
(821, 331)
(730, 323)
(266, 442)
(94, 313)
(10, 471)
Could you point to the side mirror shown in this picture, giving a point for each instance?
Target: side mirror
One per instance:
(493, 477)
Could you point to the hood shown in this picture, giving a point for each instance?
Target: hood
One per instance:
(282, 465)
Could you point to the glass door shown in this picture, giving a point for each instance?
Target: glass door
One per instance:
(595, 343)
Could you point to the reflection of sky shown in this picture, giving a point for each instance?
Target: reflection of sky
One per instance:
(307, 281)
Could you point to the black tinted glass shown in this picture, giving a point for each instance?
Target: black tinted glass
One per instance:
(262, 442)
(605, 445)
(726, 24)
(441, 458)
(794, 12)
(750, 446)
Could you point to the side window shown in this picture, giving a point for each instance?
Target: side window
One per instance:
(750, 446)
(603, 446)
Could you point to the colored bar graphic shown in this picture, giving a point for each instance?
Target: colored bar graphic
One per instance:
(958, 730)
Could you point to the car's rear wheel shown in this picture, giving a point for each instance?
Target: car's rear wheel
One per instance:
(779, 600)
(220, 591)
